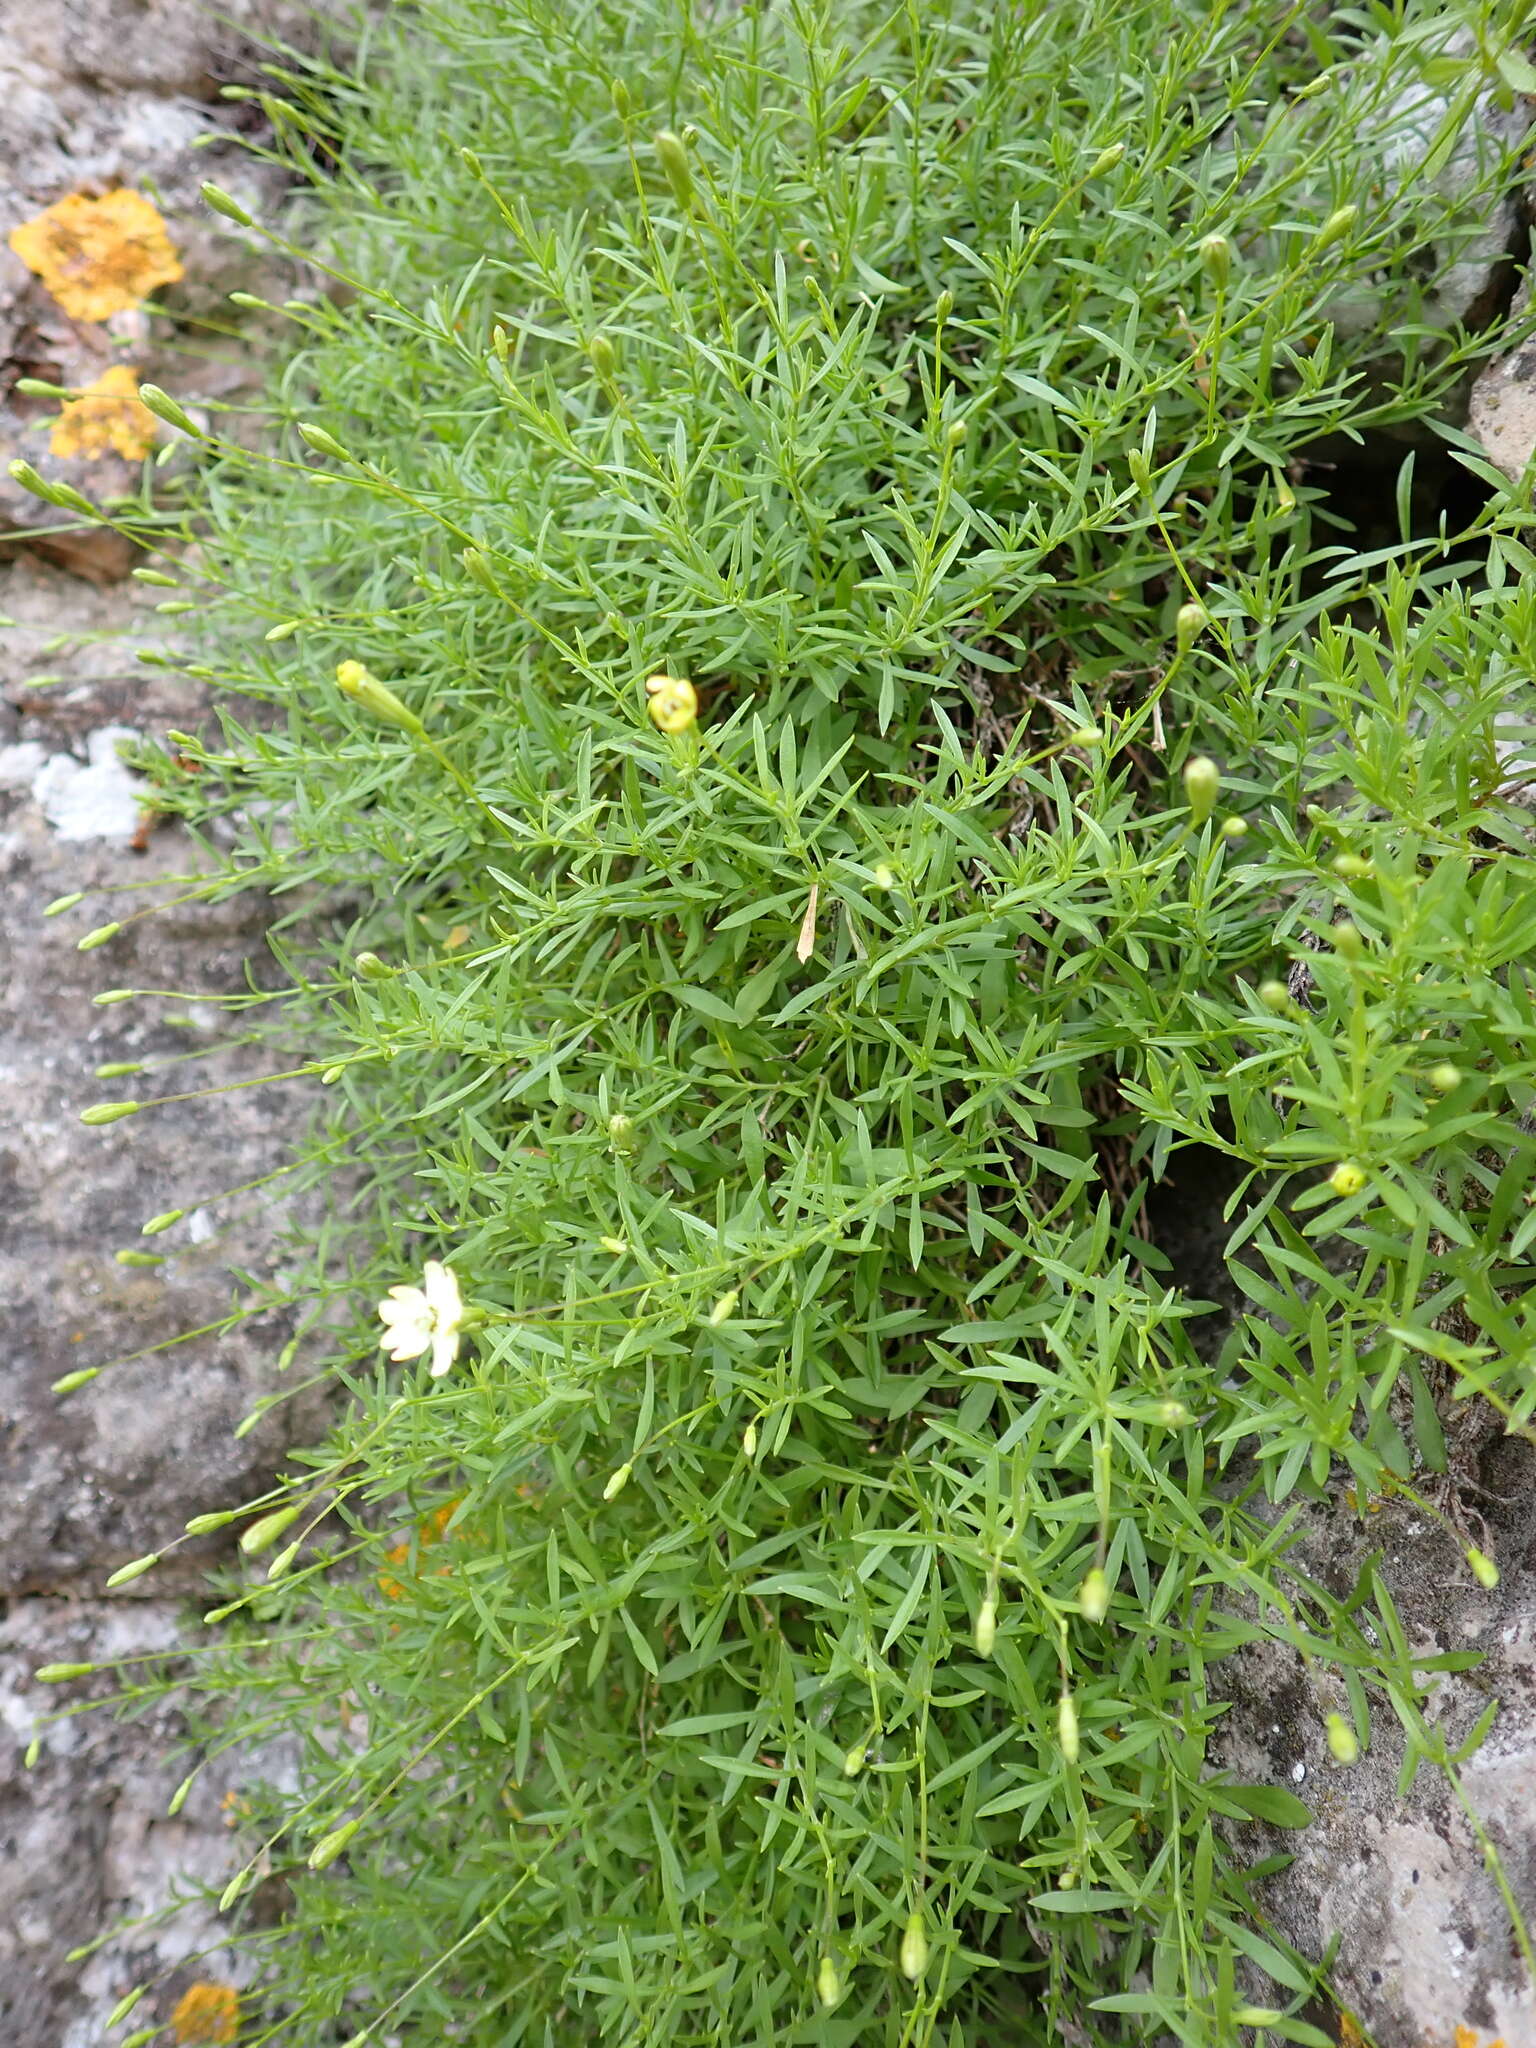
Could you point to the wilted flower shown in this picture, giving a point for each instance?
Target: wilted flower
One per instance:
(105, 419)
(98, 256)
(430, 1316)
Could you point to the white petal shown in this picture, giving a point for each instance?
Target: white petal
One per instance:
(442, 1292)
(445, 1349)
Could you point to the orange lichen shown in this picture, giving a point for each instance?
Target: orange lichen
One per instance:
(98, 256)
(107, 418)
(1469, 2037)
(207, 2015)
(428, 1532)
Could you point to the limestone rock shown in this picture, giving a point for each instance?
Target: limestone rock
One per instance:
(1502, 414)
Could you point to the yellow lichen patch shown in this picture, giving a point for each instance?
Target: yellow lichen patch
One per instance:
(98, 256)
(207, 2016)
(428, 1532)
(105, 419)
(1350, 2035)
(1469, 2037)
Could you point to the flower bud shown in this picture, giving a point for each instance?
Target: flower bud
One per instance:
(204, 1525)
(749, 1442)
(603, 357)
(1171, 1414)
(163, 1221)
(138, 1258)
(621, 1132)
(262, 1534)
(914, 1949)
(1484, 1570)
(1234, 828)
(1106, 160)
(72, 1380)
(724, 1308)
(371, 968)
(1347, 940)
(829, 1985)
(615, 1245)
(1216, 257)
(1444, 1077)
(853, 1762)
(985, 1634)
(1347, 1178)
(1086, 736)
(884, 877)
(114, 995)
(619, 93)
(354, 681)
(1274, 995)
(617, 1481)
(1093, 1595)
(330, 1846)
(62, 495)
(956, 432)
(283, 630)
(98, 937)
(1335, 227)
(1343, 1743)
(1351, 866)
(331, 1075)
(124, 2006)
(164, 407)
(1202, 786)
(60, 1674)
(179, 1796)
(944, 304)
(1190, 621)
(283, 1560)
(232, 1890)
(221, 202)
(114, 1070)
(125, 1574)
(62, 903)
(1066, 1727)
(672, 155)
(322, 442)
(109, 1112)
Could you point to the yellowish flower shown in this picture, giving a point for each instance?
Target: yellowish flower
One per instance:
(429, 1317)
(1347, 1178)
(673, 702)
(105, 419)
(207, 2015)
(98, 256)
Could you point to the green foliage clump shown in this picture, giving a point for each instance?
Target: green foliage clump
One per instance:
(939, 391)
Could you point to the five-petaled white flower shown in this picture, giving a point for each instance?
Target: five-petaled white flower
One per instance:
(416, 1318)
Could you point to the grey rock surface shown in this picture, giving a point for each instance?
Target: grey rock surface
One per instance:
(1502, 411)
(1427, 1945)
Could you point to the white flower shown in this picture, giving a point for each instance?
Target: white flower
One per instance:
(416, 1318)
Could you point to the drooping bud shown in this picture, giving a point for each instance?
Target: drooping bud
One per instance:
(1216, 258)
(204, 1525)
(72, 1380)
(1190, 621)
(62, 903)
(1484, 1570)
(914, 1948)
(179, 1796)
(617, 1481)
(97, 937)
(1093, 1595)
(1066, 1727)
(125, 2005)
(853, 1762)
(283, 1560)
(164, 407)
(163, 1221)
(724, 1308)
(1202, 786)
(371, 968)
(985, 1634)
(672, 155)
(1343, 1743)
(829, 1985)
(322, 441)
(62, 495)
(262, 1534)
(749, 1442)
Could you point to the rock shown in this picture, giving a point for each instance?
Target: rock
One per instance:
(1502, 412)
(1426, 1946)
(86, 1842)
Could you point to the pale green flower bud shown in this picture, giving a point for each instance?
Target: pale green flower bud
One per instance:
(63, 903)
(723, 1309)
(60, 1674)
(1190, 621)
(672, 155)
(262, 1534)
(98, 937)
(354, 681)
(1106, 160)
(603, 357)
(1216, 257)
(1444, 1077)
(853, 1762)
(617, 1481)
(125, 1574)
(1234, 828)
(322, 442)
(621, 1132)
(72, 1380)
(1202, 786)
(914, 1948)
(749, 1442)
(164, 407)
(1335, 227)
(829, 1985)
(371, 967)
(1343, 1743)
(330, 1846)
(1484, 1570)
(1066, 1727)
(109, 1112)
(1274, 995)
(1093, 1595)
(985, 1634)
(1347, 1178)
(1347, 939)
(163, 1221)
(220, 201)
